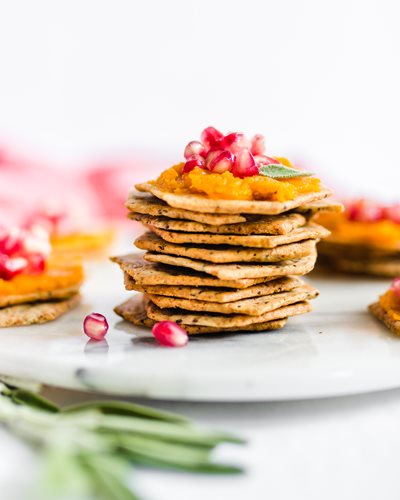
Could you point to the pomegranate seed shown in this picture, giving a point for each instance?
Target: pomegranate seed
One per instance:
(395, 287)
(364, 211)
(13, 242)
(235, 142)
(245, 165)
(11, 266)
(170, 334)
(392, 213)
(36, 241)
(221, 161)
(95, 326)
(258, 144)
(193, 161)
(211, 156)
(265, 160)
(211, 137)
(194, 148)
(36, 263)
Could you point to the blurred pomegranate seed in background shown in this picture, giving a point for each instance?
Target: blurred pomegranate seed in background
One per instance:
(395, 286)
(364, 211)
(11, 266)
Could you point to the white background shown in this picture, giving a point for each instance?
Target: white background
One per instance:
(81, 79)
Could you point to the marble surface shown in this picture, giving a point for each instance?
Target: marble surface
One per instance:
(337, 349)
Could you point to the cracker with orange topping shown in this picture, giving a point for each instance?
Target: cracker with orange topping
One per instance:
(226, 232)
(387, 309)
(35, 286)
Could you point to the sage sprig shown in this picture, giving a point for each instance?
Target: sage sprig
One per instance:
(279, 171)
(88, 449)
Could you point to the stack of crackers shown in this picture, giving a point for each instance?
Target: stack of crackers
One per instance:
(220, 265)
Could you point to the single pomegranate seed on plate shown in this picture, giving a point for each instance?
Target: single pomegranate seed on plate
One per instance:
(245, 165)
(395, 287)
(192, 162)
(11, 266)
(194, 148)
(95, 326)
(170, 334)
(258, 144)
(220, 161)
(211, 137)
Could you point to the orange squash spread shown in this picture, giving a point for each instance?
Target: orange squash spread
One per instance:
(82, 243)
(227, 186)
(390, 303)
(382, 233)
(59, 273)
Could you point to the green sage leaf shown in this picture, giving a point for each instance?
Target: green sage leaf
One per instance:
(278, 171)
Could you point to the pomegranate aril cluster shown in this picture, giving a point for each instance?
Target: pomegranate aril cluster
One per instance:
(23, 250)
(221, 153)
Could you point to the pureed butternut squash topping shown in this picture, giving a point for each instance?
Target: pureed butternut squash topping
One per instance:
(390, 303)
(359, 225)
(229, 187)
(59, 273)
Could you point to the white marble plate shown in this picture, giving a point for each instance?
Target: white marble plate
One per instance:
(338, 349)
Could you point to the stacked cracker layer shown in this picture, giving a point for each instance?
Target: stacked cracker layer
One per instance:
(220, 265)
(37, 307)
(360, 258)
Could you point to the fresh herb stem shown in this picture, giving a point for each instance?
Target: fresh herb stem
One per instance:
(89, 449)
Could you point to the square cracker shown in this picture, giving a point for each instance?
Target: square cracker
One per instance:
(224, 254)
(210, 294)
(198, 203)
(255, 306)
(321, 206)
(241, 270)
(29, 314)
(382, 315)
(267, 224)
(150, 205)
(183, 317)
(134, 311)
(24, 298)
(310, 231)
(148, 273)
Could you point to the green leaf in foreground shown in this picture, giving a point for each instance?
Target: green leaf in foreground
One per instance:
(88, 450)
(278, 171)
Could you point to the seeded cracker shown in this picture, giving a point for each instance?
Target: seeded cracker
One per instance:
(134, 311)
(225, 254)
(201, 204)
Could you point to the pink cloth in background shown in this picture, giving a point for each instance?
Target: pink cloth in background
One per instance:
(88, 194)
